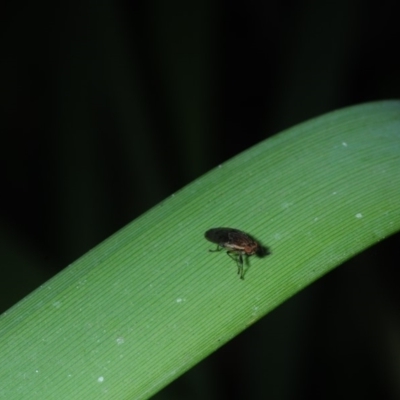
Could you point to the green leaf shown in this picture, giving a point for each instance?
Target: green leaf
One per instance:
(151, 301)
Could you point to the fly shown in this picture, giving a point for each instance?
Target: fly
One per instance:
(237, 243)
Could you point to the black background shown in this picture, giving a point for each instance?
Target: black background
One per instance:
(108, 107)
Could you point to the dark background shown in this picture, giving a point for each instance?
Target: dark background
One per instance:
(108, 107)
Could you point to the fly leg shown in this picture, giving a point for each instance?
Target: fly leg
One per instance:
(240, 266)
(219, 248)
(238, 257)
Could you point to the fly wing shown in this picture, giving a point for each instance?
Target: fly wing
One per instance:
(240, 239)
(218, 235)
(243, 242)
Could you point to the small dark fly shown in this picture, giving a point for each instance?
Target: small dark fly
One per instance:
(237, 243)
